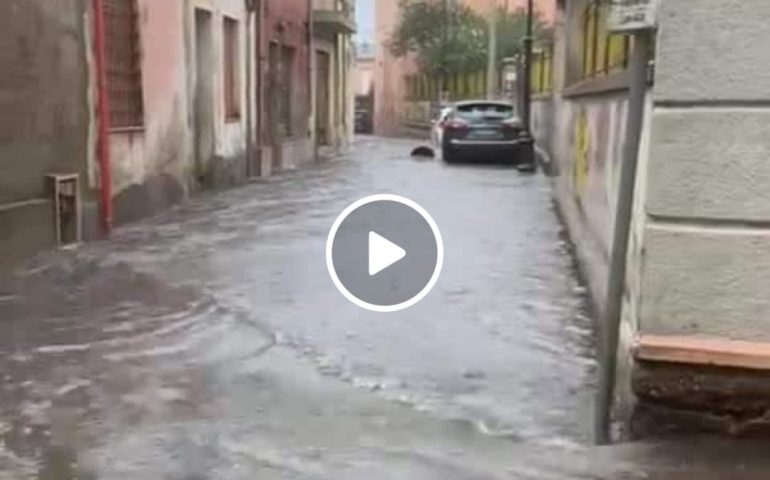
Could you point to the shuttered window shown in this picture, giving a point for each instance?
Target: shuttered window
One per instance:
(231, 70)
(123, 64)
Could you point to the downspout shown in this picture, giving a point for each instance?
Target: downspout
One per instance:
(103, 117)
(260, 29)
(611, 317)
(250, 6)
(309, 86)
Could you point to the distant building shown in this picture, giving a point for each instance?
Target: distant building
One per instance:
(198, 94)
(363, 77)
(392, 74)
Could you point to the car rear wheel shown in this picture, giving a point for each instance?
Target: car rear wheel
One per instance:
(448, 155)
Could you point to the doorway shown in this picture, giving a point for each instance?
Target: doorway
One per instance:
(203, 123)
(323, 70)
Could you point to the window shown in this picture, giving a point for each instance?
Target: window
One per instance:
(231, 70)
(123, 64)
(617, 52)
(603, 52)
(589, 39)
(541, 73)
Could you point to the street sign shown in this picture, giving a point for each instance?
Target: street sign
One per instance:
(628, 16)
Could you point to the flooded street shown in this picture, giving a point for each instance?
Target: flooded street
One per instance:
(210, 343)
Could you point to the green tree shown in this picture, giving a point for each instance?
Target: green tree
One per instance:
(511, 30)
(445, 38)
(448, 38)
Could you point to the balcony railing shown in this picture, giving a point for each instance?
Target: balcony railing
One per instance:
(334, 16)
(345, 6)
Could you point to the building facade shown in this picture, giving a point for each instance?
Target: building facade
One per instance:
(44, 117)
(285, 83)
(116, 109)
(693, 340)
(333, 65)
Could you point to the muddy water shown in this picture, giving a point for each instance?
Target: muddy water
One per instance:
(209, 343)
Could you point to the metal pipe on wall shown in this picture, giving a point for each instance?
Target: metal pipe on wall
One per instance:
(250, 6)
(103, 117)
(260, 103)
(492, 83)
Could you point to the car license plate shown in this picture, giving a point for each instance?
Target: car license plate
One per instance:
(488, 134)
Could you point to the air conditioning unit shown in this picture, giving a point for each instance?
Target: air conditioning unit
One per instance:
(65, 193)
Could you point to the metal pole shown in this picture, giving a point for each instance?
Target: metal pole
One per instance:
(446, 31)
(492, 55)
(249, 97)
(611, 316)
(526, 87)
(259, 12)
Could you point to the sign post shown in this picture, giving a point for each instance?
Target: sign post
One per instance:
(635, 17)
(628, 16)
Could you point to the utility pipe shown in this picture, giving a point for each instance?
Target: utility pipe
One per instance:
(259, 29)
(492, 82)
(250, 6)
(526, 111)
(103, 117)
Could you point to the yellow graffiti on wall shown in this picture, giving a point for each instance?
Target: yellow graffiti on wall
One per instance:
(582, 150)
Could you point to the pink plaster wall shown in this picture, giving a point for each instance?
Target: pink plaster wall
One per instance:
(389, 104)
(162, 146)
(294, 18)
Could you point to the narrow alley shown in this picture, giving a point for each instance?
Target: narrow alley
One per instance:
(210, 343)
(212, 336)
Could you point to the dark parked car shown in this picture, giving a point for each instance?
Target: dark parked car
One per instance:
(486, 130)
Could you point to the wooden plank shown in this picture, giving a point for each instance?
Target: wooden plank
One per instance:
(702, 351)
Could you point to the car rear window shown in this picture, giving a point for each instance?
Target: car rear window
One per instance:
(478, 111)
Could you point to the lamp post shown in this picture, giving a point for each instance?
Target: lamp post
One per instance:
(492, 83)
(526, 90)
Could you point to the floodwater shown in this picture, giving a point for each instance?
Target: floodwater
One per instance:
(210, 343)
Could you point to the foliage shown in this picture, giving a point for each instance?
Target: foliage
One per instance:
(511, 30)
(448, 39)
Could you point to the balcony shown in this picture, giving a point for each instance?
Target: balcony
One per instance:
(334, 16)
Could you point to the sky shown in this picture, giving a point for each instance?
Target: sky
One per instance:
(365, 20)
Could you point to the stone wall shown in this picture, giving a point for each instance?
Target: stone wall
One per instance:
(707, 270)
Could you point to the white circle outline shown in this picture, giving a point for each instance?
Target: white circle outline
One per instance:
(439, 252)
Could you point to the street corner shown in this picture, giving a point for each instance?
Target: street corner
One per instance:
(384, 253)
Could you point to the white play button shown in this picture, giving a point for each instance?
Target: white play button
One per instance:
(382, 253)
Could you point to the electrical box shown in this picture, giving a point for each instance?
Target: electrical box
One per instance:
(65, 192)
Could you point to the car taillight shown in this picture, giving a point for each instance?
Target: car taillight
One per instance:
(456, 124)
(514, 125)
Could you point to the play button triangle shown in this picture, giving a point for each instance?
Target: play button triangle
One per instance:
(382, 253)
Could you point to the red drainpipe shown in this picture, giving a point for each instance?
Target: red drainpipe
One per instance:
(103, 118)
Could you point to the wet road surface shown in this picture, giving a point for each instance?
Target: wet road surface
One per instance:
(210, 343)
